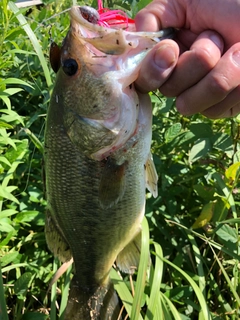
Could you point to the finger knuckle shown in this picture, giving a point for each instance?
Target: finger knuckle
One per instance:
(219, 86)
(205, 57)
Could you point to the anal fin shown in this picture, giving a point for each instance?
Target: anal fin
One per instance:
(128, 259)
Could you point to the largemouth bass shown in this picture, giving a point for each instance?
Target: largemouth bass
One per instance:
(97, 158)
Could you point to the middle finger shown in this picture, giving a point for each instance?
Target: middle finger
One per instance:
(194, 64)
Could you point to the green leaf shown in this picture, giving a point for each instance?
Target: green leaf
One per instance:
(4, 124)
(226, 233)
(8, 258)
(35, 316)
(4, 160)
(12, 91)
(15, 80)
(172, 132)
(6, 100)
(5, 226)
(205, 215)
(7, 238)
(6, 193)
(201, 130)
(11, 115)
(22, 284)
(7, 213)
(222, 141)
(200, 149)
(233, 172)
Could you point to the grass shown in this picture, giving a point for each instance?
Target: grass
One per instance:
(191, 231)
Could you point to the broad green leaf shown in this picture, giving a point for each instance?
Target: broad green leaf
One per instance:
(5, 125)
(6, 100)
(222, 141)
(5, 226)
(6, 193)
(11, 115)
(34, 316)
(236, 157)
(206, 192)
(227, 233)
(172, 132)
(30, 216)
(201, 148)
(201, 130)
(205, 215)
(6, 240)
(7, 213)
(4, 160)
(22, 284)
(8, 258)
(233, 171)
(12, 91)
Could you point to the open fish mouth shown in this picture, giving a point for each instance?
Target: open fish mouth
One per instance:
(110, 50)
(115, 38)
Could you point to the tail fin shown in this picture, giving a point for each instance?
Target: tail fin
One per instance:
(99, 303)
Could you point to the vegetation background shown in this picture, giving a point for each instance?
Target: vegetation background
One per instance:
(194, 222)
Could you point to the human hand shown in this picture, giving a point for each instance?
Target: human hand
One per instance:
(205, 77)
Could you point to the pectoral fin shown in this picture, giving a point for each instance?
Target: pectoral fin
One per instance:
(151, 176)
(128, 259)
(112, 184)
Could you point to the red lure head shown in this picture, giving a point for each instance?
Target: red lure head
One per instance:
(113, 18)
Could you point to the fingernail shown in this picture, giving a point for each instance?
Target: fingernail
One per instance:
(217, 40)
(165, 57)
(236, 58)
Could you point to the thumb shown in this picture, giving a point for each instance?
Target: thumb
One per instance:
(157, 66)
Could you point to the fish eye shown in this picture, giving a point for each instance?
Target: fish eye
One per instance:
(70, 67)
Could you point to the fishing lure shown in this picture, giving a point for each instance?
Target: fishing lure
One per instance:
(113, 18)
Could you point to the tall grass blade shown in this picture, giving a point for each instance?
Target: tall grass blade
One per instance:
(197, 254)
(3, 307)
(197, 290)
(234, 292)
(156, 283)
(175, 313)
(53, 312)
(65, 289)
(33, 39)
(142, 272)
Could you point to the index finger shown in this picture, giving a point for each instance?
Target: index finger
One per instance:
(172, 14)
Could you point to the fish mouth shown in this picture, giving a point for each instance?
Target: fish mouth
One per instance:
(115, 39)
(113, 54)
